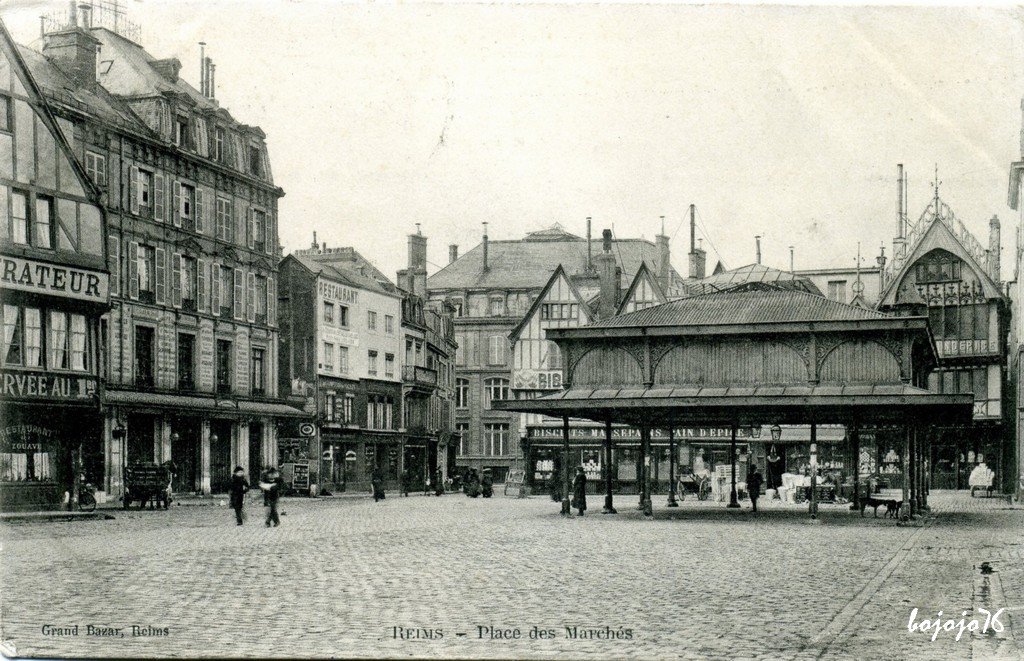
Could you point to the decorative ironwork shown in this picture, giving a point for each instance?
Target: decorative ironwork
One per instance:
(107, 14)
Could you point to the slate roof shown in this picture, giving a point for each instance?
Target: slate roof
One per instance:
(762, 305)
(348, 275)
(528, 264)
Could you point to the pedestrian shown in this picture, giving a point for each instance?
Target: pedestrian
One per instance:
(754, 482)
(239, 486)
(377, 483)
(272, 486)
(473, 484)
(487, 484)
(439, 483)
(406, 481)
(579, 490)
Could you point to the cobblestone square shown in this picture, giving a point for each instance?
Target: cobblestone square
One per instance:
(422, 576)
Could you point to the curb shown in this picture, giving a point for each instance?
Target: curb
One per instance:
(22, 517)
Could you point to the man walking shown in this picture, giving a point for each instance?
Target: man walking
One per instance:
(239, 485)
(754, 482)
(272, 486)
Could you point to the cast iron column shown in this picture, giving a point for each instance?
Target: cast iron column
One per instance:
(814, 471)
(855, 447)
(733, 500)
(566, 469)
(672, 467)
(645, 444)
(906, 467)
(608, 508)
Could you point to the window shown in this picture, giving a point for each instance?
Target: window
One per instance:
(187, 208)
(147, 273)
(227, 290)
(144, 357)
(552, 358)
(181, 132)
(372, 363)
(371, 320)
(495, 438)
(379, 412)
(261, 299)
(409, 360)
(96, 168)
(189, 283)
(461, 393)
(223, 366)
(496, 389)
(348, 405)
(225, 222)
(343, 316)
(389, 324)
(254, 161)
(462, 429)
(23, 336)
(20, 222)
(497, 306)
(328, 312)
(43, 223)
(259, 230)
(496, 350)
(343, 360)
(457, 304)
(256, 372)
(389, 365)
(330, 406)
(218, 142)
(328, 360)
(186, 361)
(68, 341)
(5, 114)
(837, 290)
(145, 198)
(559, 311)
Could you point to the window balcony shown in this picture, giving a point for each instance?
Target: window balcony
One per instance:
(421, 380)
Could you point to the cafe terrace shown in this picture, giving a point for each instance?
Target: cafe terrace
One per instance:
(752, 355)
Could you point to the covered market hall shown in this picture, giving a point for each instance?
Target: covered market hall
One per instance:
(756, 355)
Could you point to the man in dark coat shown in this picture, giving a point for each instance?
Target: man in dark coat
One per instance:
(239, 485)
(487, 484)
(272, 486)
(754, 482)
(438, 483)
(377, 482)
(579, 490)
(473, 484)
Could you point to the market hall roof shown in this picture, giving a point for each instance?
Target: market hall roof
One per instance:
(762, 304)
(756, 273)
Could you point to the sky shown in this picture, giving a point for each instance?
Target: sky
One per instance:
(775, 121)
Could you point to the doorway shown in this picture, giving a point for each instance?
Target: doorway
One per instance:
(220, 456)
(185, 454)
(255, 450)
(141, 439)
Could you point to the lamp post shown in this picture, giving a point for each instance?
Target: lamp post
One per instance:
(672, 468)
(814, 480)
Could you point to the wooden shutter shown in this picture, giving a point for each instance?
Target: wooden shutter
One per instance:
(133, 270)
(161, 276)
(114, 259)
(239, 294)
(200, 211)
(176, 204)
(215, 288)
(241, 213)
(269, 232)
(159, 206)
(271, 302)
(176, 280)
(250, 299)
(133, 190)
(201, 277)
(250, 225)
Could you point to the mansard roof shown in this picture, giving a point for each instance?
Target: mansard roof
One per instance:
(939, 229)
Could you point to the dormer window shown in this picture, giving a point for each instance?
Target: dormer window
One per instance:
(219, 138)
(254, 161)
(181, 132)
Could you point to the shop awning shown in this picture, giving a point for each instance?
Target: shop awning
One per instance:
(749, 404)
(185, 403)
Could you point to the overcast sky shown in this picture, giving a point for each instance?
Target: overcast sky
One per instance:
(784, 122)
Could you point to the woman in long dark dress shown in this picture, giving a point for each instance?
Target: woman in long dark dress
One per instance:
(579, 491)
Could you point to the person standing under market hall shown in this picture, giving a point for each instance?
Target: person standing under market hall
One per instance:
(579, 490)
(754, 482)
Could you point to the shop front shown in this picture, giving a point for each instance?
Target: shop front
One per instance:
(349, 461)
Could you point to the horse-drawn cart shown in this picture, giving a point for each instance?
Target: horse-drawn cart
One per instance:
(148, 483)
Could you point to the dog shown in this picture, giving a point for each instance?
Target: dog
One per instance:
(892, 507)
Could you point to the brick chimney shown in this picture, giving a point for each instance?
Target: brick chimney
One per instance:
(73, 51)
(486, 265)
(608, 276)
(993, 248)
(698, 257)
(664, 258)
(453, 253)
(168, 68)
(418, 263)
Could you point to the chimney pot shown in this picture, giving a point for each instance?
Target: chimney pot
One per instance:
(453, 253)
(606, 239)
(486, 265)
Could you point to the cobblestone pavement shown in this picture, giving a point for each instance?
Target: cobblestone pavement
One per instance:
(339, 575)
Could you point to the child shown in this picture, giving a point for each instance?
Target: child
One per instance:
(239, 485)
(272, 485)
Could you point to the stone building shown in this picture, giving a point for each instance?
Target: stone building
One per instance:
(54, 288)
(189, 348)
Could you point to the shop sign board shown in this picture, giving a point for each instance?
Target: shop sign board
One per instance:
(597, 434)
(65, 281)
(537, 379)
(46, 386)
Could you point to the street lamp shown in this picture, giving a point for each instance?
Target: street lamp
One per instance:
(776, 433)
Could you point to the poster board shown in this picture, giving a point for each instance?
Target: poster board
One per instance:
(515, 483)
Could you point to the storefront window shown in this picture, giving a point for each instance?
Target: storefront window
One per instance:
(24, 456)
